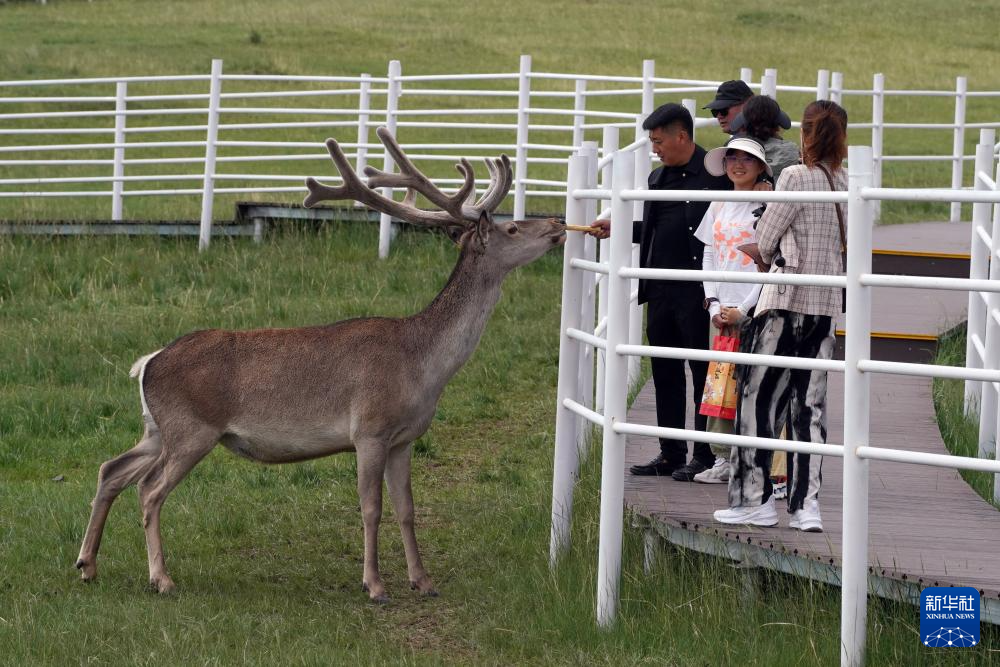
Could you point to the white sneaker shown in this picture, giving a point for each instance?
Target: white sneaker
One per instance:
(808, 518)
(717, 474)
(762, 515)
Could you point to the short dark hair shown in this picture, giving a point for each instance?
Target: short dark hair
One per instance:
(761, 115)
(669, 115)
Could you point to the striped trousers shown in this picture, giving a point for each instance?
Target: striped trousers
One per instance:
(769, 396)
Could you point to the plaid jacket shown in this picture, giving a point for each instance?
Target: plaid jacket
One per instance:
(808, 237)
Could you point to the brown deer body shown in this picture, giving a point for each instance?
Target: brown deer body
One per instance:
(370, 385)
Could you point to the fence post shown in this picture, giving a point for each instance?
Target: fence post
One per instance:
(640, 172)
(857, 395)
(211, 139)
(823, 84)
(878, 114)
(567, 454)
(958, 150)
(746, 75)
(769, 83)
(975, 327)
(634, 324)
(579, 104)
(648, 86)
(385, 226)
(692, 108)
(609, 145)
(609, 558)
(585, 395)
(980, 219)
(837, 87)
(993, 313)
(641, 155)
(521, 154)
(364, 107)
(118, 187)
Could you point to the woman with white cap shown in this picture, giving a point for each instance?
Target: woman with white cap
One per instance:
(725, 227)
(795, 321)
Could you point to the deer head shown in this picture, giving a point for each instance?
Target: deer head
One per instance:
(466, 220)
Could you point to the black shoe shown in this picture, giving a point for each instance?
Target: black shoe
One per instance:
(686, 473)
(658, 466)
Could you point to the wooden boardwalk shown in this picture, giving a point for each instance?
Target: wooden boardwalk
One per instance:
(927, 526)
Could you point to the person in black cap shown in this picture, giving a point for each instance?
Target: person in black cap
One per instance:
(676, 314)
(728, 102)
(728, 106)
(763, 120)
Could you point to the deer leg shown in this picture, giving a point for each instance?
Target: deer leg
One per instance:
(397, 477)
(371, 466)
(115, 476)
(163, 476)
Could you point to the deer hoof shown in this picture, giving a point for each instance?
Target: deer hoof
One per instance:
(377, 598)
(425, 586)
(162, 585)
(88, 571)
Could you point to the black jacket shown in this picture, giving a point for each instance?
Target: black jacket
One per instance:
(692, 176)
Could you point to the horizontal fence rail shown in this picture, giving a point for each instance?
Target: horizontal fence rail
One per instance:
(601, 400)
(210, 121)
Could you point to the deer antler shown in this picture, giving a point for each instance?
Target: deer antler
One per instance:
(455, 209)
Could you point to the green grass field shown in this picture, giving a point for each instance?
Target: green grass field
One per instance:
(907, 42)
(268, 559)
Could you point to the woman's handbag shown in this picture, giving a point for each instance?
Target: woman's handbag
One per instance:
(843, 235)
(719, 397)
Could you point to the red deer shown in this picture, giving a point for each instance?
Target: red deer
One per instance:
(370, 384)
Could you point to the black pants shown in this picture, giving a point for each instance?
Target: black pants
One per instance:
(772, 397)
(679, 320)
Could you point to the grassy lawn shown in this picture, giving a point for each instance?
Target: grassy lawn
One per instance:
(268, 559)
(960, 432)
(907, 42)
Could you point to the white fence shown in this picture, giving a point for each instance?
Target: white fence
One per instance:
(242, 136)
(616, 340)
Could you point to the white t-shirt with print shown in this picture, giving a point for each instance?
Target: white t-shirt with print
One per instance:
(725, 226)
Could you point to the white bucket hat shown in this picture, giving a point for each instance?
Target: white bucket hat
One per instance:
(713, 159)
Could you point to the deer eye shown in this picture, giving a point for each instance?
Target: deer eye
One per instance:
(512, 229)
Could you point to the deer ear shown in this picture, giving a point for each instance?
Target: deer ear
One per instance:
(483, 228)
(455, 234)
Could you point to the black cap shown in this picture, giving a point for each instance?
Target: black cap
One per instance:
(730, 93)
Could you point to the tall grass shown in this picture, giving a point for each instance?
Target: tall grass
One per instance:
(959, 431)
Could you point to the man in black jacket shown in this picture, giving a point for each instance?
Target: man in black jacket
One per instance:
(676, 314)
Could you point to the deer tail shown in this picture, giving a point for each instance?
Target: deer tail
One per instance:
(138, 370)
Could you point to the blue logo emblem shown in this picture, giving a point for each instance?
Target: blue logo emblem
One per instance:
(949, 617)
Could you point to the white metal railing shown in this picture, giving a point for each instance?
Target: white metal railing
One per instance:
(620, 343)
(108, 126)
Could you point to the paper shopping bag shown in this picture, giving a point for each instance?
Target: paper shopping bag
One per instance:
(719, 397)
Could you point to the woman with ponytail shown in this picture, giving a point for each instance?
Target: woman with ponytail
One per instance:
(796, 321)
